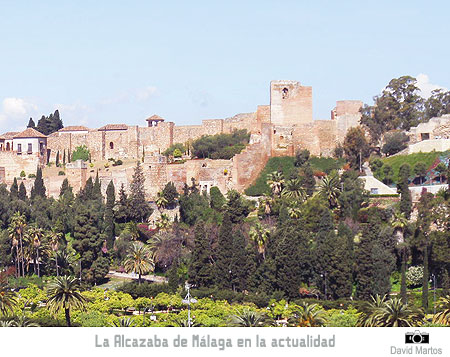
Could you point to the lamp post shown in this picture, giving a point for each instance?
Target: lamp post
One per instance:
(188, 300)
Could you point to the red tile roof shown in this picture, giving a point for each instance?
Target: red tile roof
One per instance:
(113, 127)
(155, 118)
(74, 128)
(9, 135)
(29, 133)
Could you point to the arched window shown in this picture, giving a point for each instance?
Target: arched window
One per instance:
(8, 147)
(111, 145)
(285, 93)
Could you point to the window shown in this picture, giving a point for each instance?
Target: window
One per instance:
(111, 145)
(285, 93)
(30, 148)
(374, 191)
(19, 148)
(8, 147)
(425, 136)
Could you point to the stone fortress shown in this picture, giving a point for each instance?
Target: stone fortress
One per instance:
(277, 129)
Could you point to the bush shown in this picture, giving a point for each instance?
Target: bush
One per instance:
(22, 174)
(61, 173)
(180, 148)
(145, 289)
(81, 153)
(414, 276)
(32, 176)
(394, 143)
(117, 162)
(220, 146)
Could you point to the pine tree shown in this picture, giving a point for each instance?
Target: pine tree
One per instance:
(173, 277)
(65, 187)
(170, 194)
(140, 210)
(87, 192)
(236, 208)
(22, 192)
(339, 278)
(238, 262)
(31, 124)
(109, 215)
(97, 189)
(224, 254)
(14, 190)
(43, 125)
(201, 269)
(38, 187)
(123, 211)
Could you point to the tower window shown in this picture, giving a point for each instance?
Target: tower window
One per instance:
(285, 93)
(111, 145)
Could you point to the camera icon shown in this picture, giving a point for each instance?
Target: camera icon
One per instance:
(417, 337)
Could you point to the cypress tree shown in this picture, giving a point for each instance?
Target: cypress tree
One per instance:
(200, 269)
(403, 188)
(64, 157)
(140, 210)
(38, 187)
(31, 124)
(173, 278)
(97, 189)
(238, 262)
(224, 254)
(14, 190)
(65, 187)
(340, 271)
(308, 180)
(236, 208)
(109, 215)
(57, 159)
(22, 192)
(123, 212)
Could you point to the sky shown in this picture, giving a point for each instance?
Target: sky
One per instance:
(101, 62)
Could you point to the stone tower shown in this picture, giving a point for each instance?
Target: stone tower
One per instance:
(290, 103)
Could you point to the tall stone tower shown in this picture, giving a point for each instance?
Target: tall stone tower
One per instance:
(290, 103)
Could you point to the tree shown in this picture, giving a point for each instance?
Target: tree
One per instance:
(38, 189)
(394, 142)
(443, 316)
(122, 213)
(403, 189)
(139, 260)
(275, 180)
(420, 169)
(200, 268)
(330, 190)
(31, 124)
(16, 232)
(294, 190)
(388, 174)
(80, 153)
(236, 207)
(216, 199)
(224, 254)
(356, 147)
(307, 315)
(438, 104)
(170, 194)
(7, 297)
(398, 107)
(248, 318)
(139, 209)
(260, 234)
(57, 159)
(14, 190)
(400, 224)
(22, 192)
(301, 157)
(64, 294)
(65, 187)
(161, 201)
(441, 169)
(109, 214)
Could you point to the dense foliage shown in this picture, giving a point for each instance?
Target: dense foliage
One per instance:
(220, 146)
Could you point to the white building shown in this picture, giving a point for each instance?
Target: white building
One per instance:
(30, 141)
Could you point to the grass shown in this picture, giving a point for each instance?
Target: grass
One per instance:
(396, 161)
(286, 165)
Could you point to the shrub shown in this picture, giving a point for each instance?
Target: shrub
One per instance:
(145, 289)
(394, 143)
(220, 146)
(32, 176)
(61, 173)
(180, 148)
(22, 174)
(414, 276)
(81, 153)
(117, 162)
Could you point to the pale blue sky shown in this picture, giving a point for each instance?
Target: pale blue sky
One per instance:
(121, 61)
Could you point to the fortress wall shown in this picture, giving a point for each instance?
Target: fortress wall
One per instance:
(65, 141)
(290, 103)
(155, 139)
(248, 164)
(327, 135)
(348, 107)
(154, 168)
(263, 114)
(241, 121)
(282, 141)
(95, 143)
(176, 173)
(212, 126)
(14, 164)
(185, 133)
(116, 144)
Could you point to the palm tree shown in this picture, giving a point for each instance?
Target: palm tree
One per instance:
(54, 237)
(139, 259)
(15, 246)
(156, 244)
(8, 323)
(260, 235)
(294, 190)
(161, 200)
(131, 229)
(390, 313)
(329, 189)
(124, 322)
(443, 317)
(275, 180)
(64, 293)
(163, 222)
(16, 230)
(248, 318)
(307, 315)
(399, 223)
(7, 296)
(34, 236)
(64, 260)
